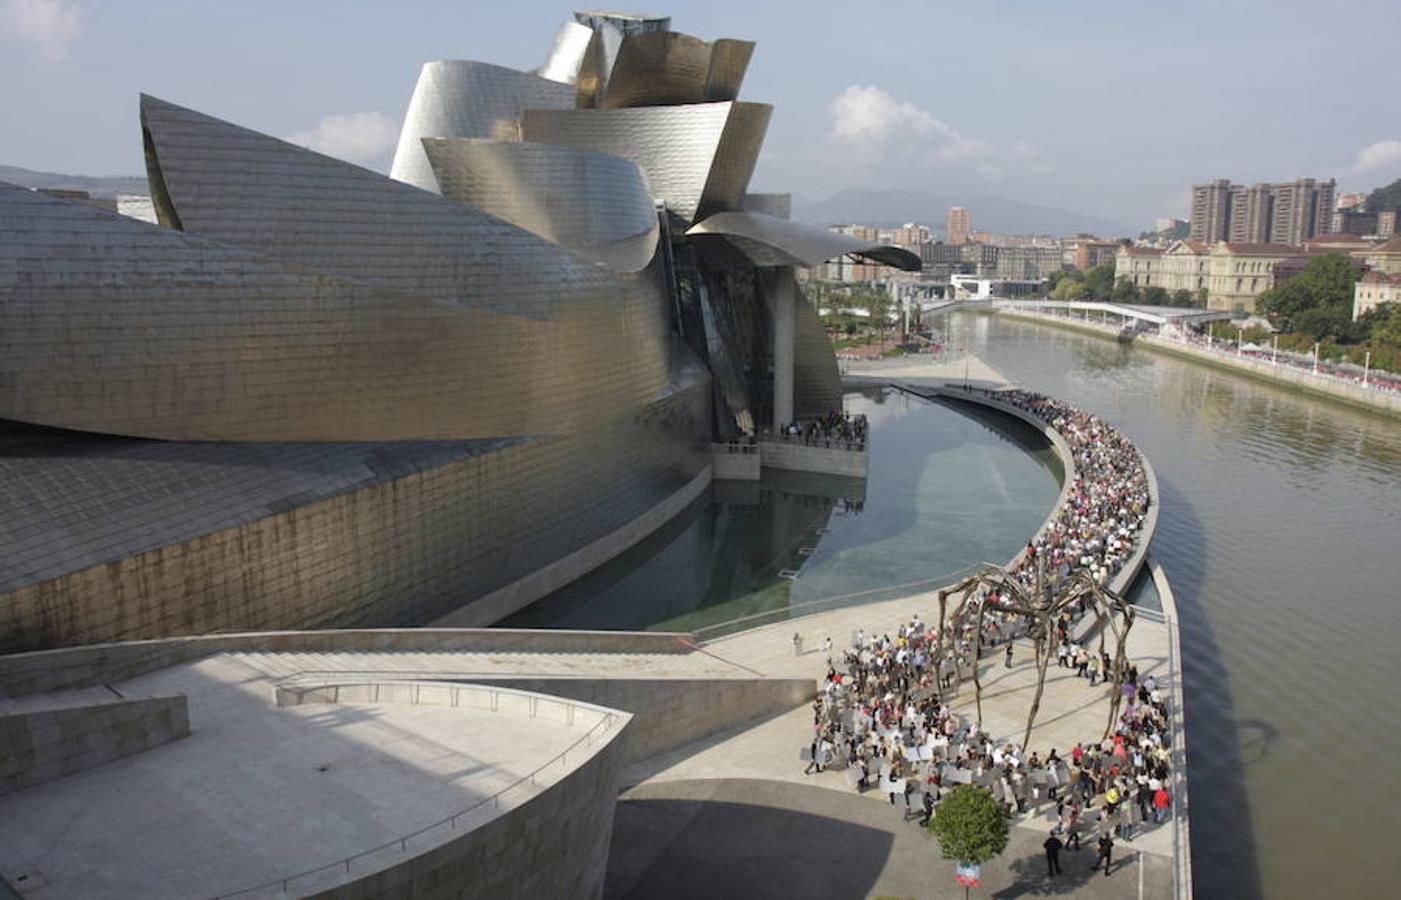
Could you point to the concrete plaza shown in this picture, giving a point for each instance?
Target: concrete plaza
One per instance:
(768, 754)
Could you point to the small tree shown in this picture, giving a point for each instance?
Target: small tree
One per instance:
(971, 826)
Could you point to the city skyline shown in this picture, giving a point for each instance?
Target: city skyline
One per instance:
(867, 117)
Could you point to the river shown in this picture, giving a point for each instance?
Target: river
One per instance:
(1280, 531)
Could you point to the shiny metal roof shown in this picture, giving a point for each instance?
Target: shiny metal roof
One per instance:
(770, 241)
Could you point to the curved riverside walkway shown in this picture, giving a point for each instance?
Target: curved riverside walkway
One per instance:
(742, 763)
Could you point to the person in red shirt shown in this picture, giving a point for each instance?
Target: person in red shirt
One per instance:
(1161, 801)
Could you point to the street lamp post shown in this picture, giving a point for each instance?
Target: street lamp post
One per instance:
(1274, 352)
(1366, 368)
(1315, 358)
(1240, 341)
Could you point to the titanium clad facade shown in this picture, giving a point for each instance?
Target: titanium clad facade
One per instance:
(567, 54)
(771, 241)
(698, 157)
(666, 68)
(110, 539)
(817, 381)
(594, 204)
(459, 98)
(113, 326)
(375, 404)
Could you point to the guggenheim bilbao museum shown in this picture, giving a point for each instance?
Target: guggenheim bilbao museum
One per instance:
(317, 396)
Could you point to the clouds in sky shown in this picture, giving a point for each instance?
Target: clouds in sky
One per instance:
(48, 25)
(1382, 157)
(364, 138)
(871, 124)
(867, 115)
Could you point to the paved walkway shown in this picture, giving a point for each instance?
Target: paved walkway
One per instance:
(258, 792)
(1071, 711)
(783, 840)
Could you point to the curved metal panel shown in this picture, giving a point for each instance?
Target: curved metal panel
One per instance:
(770, 241)
(669, 68)
(595, 204)
(567, 54)
(696, 157)
(729, 60)
(111, 325)
(735, 158)
(462, 98)
(244, 188)
(817, 381)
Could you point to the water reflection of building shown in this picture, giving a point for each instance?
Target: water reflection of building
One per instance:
(318, 396)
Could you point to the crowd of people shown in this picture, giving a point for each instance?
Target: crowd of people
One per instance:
(883, 716)
(1107, 502)
(834, 426)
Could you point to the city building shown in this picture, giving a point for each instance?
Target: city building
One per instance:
(1372, 290)
(1141, 265)
(1384, 257)
(512, 368)
(1353, 221)
(1184, 267)
(980, 259)
(1386, 223)
(1210, 219)
(1088, 254)
(1239, 273)
(1281, 213)
(960, 225)
(1024, 263)
(1167, 224)
(910, 236)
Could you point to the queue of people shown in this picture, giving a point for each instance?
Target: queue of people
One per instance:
(834, 426)
(1106, 506)
(883, 714)
(883, 717)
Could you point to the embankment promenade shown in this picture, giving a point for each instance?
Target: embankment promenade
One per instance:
(1321, 385)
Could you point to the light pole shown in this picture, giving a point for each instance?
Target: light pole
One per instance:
(1274, 352)
(1366, 368)
(1315, 358)
(1240, 341)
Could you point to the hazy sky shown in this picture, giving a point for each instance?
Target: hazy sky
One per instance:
(1108, 107)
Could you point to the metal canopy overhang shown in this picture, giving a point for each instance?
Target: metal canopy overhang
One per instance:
(770, 241)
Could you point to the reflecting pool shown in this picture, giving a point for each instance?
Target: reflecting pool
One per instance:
(950, 486)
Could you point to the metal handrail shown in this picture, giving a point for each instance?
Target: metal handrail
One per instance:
(822, 441)
(495, 799)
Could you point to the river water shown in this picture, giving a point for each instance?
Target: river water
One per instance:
(1280, 531)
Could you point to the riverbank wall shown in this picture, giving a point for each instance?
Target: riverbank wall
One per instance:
(1319, 386)
(1177, 724)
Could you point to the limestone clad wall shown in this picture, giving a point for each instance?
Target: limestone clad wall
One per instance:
(47, 744)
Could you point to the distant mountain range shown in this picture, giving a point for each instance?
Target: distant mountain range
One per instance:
(995, 214)
(97, 186)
